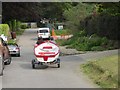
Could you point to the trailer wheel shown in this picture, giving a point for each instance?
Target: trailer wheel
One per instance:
(58, 65)
(40, 63)
(33, 64)
(58, 61)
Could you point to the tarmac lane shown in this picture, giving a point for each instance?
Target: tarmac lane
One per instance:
(19, 74)
(0, 82)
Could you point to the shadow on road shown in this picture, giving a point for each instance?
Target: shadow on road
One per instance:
(14, 55)
(26, 66)
(34, 39)
(41, 67)
(29, 66)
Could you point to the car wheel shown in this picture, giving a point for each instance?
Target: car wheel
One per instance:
(1, 66)
(8, 61)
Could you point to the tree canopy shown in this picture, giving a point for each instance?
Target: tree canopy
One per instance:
(34, 11)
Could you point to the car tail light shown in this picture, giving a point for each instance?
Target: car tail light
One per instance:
(17, 48)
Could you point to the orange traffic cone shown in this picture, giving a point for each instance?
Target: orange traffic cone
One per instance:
(53, 34)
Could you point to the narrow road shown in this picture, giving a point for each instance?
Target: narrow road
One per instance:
(21, 75)
(0, 82)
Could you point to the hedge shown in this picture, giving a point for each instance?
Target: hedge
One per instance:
(4, 29)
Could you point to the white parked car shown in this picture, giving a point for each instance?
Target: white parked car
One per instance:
(14, 50)
(43, 32)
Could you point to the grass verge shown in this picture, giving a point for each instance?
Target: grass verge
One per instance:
(103, 72)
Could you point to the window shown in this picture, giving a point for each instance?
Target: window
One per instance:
(43, 31)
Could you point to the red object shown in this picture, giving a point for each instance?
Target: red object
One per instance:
(45, 58)
(18, 48)
(46, 53)
(47, 47)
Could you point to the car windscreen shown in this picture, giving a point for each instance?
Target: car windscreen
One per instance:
(43, 31)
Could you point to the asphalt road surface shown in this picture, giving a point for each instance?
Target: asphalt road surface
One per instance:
(19, 74)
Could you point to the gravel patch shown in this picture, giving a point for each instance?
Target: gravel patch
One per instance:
(65, 51)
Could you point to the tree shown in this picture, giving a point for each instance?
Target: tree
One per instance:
(77, 14)
(111, 8)
(34, 11)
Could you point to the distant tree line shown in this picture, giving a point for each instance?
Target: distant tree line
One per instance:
(34, 11)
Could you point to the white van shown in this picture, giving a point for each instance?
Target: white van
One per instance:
(43, 32)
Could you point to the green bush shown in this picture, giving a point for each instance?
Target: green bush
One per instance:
(104, 41)
(11, 42)
(96, 41)
(82, 47)
(18, 25)
(88, 43)
(66, 42)
(14, 25)
(4, 29)
(82, 33)
(91, 43)
(69, 47)
(23, 26)
(61, 32)
(97, 48)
